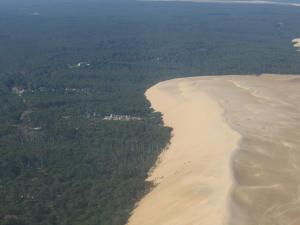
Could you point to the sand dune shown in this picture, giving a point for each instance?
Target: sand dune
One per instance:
(234, 156)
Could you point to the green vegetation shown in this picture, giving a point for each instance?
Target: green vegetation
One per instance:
(60, 163)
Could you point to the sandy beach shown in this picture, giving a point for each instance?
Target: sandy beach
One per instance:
(234, 156)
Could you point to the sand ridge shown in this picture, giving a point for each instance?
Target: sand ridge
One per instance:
(233, 156)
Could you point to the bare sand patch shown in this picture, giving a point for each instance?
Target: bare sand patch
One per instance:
(296, 43)
(234, 156)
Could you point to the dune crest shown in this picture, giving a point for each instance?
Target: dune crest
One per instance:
(233, 156)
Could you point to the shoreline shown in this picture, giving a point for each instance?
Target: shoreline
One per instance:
(245, 2)
(227, 161)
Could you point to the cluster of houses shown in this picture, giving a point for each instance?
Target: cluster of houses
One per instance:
(80, 64)
(18, 91)
(68, 90)
(121, 117)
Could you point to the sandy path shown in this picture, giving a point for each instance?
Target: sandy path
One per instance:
(212, 117)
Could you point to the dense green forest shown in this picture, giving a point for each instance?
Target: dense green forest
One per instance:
(64, 65)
